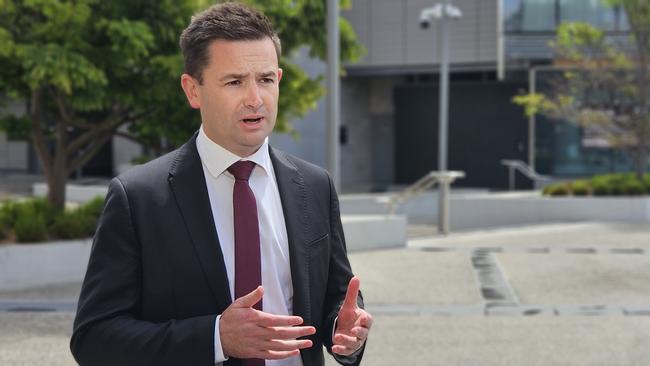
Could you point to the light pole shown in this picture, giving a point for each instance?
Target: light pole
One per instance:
(333, 91)
(442, 12)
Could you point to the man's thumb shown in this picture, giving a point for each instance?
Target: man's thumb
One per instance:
(252, 298)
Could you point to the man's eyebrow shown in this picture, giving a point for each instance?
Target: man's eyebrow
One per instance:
(233, 76)
(267, 74)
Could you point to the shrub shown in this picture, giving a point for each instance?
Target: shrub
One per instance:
(93, 208)
(30, 224)
(600, 188)
(646, 182)
(80, 222)
(580, 188)
(549, 189)
(73, 225)
(632, 187)
(561, 189)
(5, 224)
(43, 207)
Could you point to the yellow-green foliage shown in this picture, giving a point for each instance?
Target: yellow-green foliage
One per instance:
(621, 184)
(36, 220)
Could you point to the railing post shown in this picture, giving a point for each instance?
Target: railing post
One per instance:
(443, 205)
(511, 178)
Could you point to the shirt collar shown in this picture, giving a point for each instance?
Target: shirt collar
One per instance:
(217, 159)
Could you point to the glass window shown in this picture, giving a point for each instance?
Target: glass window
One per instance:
(530, 15)
(545, 15)
(589, 11)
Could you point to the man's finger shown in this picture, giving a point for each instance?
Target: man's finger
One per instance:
(278, 355)
(250, 299)
(360, 332)
(365, 320)
(353, 291)
(287, 345)
(351, 342)
(290, 332)
(272, 320)
(342, 350)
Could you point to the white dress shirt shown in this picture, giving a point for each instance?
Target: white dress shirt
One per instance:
(274, 245)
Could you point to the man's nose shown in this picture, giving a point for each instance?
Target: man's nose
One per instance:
(253, 97)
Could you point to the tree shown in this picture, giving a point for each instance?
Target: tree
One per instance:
(603, 88)
(86, 68)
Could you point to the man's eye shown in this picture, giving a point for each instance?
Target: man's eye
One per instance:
(268, 81)
(234, 82)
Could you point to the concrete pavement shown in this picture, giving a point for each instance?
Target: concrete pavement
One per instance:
(571, 294)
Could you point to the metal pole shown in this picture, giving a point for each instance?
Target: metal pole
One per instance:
(333, 92)
(532, 76)
(501, 66)
(443, 105)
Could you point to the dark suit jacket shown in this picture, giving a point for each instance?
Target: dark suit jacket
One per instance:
(156, 278)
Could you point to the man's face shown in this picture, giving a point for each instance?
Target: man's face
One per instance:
(238, 99)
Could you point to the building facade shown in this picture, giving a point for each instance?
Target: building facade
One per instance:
(390, 97)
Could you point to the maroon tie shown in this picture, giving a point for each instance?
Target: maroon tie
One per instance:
(248, 268)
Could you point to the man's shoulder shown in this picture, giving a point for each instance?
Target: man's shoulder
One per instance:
(304, 167)
(151, 171)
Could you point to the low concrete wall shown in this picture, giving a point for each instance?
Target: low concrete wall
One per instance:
(28, 265)
(74, 192)
(367, 232)
(469, 213)
(471, 210)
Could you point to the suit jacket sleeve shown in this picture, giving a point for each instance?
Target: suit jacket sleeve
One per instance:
(340, 275)
(107, 330)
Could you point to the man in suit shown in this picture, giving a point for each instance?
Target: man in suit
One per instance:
(223, 217)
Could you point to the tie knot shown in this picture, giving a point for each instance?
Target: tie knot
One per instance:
(242, 169)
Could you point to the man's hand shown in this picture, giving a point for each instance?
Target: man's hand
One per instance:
(353, 323)
(249, 333)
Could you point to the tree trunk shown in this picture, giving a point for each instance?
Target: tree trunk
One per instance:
(56, 184)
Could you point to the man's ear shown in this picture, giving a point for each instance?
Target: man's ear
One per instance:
(191, 88)
(279, 74)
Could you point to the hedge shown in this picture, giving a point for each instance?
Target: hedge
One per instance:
(36, 220)
(621, 184)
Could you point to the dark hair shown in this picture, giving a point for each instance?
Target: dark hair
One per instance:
(228, 21)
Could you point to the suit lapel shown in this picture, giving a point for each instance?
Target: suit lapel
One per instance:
(293, 194)
(187, 182)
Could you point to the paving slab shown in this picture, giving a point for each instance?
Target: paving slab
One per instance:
(415, 277)
(28, 339)
(586, 234)
(65, 291)
(507, 341)
(578, 278)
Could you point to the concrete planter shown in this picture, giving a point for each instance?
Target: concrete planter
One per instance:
(473, 210)
(74, 192)
(28, 265)
(476, 212)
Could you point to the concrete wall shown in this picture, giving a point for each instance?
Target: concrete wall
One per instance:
(311, 144)
(390, 30)
(472, 210)
(366, 113)
(14, 155)
(124, 150)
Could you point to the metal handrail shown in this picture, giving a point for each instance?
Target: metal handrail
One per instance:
(421, 185)
(524, 169)
(444, 180)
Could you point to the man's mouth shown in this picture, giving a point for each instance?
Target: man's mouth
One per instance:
(252, 120)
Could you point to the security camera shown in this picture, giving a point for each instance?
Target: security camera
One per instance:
(425, 21)
(428, 15)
